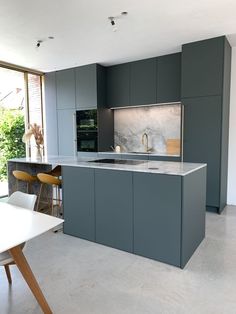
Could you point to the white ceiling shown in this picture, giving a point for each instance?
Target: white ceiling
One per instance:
(83, 34)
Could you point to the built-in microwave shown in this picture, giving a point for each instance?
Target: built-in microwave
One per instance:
(87, 135)
(86, 120)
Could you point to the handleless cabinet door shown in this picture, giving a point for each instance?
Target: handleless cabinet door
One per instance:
(78, 202)
(143, 82)
(114, 208)
(157, 216)
(118, 85)
(86, 87)
(202, 140)
(65, 87)
(168, 78)
(202, 68)
(66, 132)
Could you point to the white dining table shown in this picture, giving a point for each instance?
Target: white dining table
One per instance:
(18, 225)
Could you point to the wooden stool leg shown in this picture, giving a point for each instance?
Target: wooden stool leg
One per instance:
(28, 275)
(39, 197)
(8, 273)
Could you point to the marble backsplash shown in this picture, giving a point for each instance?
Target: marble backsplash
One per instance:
(159, 122)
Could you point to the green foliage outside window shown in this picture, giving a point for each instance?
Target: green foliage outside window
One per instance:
(12, 128)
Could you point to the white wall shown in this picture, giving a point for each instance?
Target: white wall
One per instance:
(231, 197)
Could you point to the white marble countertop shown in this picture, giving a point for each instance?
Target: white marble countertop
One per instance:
(159, 167)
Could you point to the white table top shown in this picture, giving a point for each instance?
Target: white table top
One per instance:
(18, 225)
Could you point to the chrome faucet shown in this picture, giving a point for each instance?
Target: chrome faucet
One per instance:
(145, 142)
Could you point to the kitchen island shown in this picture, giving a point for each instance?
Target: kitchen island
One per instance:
(151, 208)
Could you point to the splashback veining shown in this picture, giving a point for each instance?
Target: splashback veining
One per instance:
(161, 123)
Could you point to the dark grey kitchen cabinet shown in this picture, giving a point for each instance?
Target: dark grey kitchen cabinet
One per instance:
(202, 139)
(157, 216)
(90, 87)
(114, 208)
(78, 202)
(143, 82)
(118, 85)
(206, 83)
(169, 215)
(86, 86)
(202, 67)
(169, 78)
(65, 89)
(66, 132)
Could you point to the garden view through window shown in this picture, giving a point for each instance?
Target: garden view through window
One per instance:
(20, 105)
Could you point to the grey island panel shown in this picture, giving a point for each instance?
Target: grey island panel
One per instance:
(78, 202)
(193, 213)
(114, 209)
(157, 217)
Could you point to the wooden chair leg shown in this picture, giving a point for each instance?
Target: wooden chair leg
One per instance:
(28, 275)
(8, 273)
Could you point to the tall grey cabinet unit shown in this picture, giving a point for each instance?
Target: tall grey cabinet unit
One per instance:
(50, 123)
(65, 98)
(205, 95)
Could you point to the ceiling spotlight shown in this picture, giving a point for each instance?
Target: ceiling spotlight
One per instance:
(39, 42)
(113, 23)
(113, 19)
(51, 37)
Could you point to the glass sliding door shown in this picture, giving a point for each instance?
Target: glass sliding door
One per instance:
(20, 105)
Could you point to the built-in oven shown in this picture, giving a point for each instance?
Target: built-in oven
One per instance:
(87, 136)
(87, 141)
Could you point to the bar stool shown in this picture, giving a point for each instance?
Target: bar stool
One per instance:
(25, 177)
(55, 200)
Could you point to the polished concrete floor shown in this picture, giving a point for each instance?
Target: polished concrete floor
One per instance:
(86, 278)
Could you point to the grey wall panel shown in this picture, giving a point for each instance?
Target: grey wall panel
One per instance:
(193, 213)
(105, 129)
(114, 208)
(157, 216)
(225, 125)
(78, 202)
(50, 113)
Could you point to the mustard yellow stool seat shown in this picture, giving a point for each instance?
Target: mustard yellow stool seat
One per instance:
(55, 200)
(25, 177)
